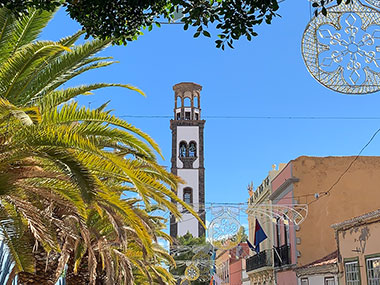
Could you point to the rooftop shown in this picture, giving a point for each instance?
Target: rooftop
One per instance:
(357, 220)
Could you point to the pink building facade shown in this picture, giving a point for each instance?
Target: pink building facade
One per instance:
(230, 265)
(284, 243)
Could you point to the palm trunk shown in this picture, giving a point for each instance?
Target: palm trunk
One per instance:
(83, 277)
(11, 276)
(45, 272)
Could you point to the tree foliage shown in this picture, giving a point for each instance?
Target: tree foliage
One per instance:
(123, 20)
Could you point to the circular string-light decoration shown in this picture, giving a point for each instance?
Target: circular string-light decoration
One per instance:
(192, 272)
(342, 50)
(225, 231)
(204, 261)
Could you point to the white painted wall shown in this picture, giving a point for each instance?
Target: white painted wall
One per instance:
(191, 178)
(188, 222)
(318, 279)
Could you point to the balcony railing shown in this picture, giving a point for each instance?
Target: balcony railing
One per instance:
(262, 259)
(281, 255)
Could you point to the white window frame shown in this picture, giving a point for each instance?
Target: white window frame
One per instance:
(328, 280)
(352, 273)
(370, 278)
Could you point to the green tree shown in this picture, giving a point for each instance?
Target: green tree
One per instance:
(188, 248)
(123, 20)
(65, 167)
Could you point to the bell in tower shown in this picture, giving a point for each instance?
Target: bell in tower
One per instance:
(188, 157)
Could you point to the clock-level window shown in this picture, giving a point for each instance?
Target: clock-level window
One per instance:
(188, 195)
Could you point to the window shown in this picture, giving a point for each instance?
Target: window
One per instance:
(286, 230)
(352, 273)
(304, 281)
(278, 232)
(196, 102)
(196, 116)
(178, 116)
(373, 270)
(188, 196)
(179, 102)
(329, 281)
(192, 149)
(187, 102)
(187, 115)
(182, 149)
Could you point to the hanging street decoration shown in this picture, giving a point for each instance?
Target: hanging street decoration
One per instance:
(225, 231)
(293, 214)
(192, 272)
(375, 3)
(342, 50)
(204, 263)
(185, 282)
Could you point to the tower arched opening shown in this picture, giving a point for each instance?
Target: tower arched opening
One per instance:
(187, 102)
(183, 149)
(192, 149)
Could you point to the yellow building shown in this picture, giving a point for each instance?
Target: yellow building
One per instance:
(259, 267)
(358, 241)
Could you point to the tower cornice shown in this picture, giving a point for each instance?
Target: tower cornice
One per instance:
(186, 86)
(176, 123)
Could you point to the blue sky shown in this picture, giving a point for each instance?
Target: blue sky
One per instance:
(265, 77)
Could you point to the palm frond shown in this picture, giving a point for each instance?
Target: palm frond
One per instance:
(27, 28)
(57, 97)
(20, 66)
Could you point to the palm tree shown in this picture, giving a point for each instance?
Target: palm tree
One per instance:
(120, 250)
(61, 164)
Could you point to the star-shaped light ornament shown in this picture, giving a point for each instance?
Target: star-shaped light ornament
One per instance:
(342, 50)
(192, 272)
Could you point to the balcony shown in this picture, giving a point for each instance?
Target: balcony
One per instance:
(282, 256)
(263, 259)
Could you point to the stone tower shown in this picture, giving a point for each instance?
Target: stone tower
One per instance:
(188, 157)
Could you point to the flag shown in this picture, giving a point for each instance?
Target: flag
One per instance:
(259, 236)
(250, 245)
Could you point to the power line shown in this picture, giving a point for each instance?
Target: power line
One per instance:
(323, 194)
(258, 117)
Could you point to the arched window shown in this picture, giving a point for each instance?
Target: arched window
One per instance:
(182, 149)
(187, 102)
(188, 195)
(193, 149)
(196, 102)
(179, 102)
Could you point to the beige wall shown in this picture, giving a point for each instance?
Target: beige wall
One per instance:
(358, 192)
(222, 264)
(359, 242)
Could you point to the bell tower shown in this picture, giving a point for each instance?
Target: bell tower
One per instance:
(188, 157)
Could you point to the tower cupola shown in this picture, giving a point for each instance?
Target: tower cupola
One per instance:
(187, 101)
